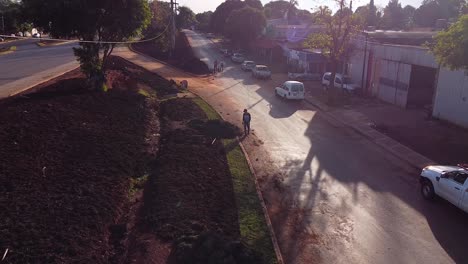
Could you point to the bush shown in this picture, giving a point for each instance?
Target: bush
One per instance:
(211, 248)
(215, 128)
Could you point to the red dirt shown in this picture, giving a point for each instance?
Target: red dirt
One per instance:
(67, 158)
(190, 190)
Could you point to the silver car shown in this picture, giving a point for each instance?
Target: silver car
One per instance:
(261, 72)
(237, 57)
(248, 65)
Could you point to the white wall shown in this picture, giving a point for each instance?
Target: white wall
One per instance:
(451, 98)
(451, 94)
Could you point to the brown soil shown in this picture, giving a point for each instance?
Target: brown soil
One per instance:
(190, 190)
(183, 55)
(67, 158)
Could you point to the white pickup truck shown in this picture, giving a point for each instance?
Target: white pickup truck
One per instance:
(448, 182)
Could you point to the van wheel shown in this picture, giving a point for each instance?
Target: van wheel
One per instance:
(427, 190)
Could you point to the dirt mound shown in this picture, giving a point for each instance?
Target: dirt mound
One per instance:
(190, 190)
(139, 78)
(212, 248)
(215, 128)
(183, 55)
(182, 109)
(67, 155)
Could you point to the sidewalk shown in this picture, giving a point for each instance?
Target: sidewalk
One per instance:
(407, 133)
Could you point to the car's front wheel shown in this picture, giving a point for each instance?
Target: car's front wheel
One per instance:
(427, 190)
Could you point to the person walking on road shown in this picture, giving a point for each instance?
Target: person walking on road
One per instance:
(215, 68)
(246, 117)
(221, 66)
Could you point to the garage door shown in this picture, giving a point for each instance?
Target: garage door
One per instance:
(394, 82)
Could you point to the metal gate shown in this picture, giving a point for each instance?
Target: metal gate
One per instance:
(394, 82)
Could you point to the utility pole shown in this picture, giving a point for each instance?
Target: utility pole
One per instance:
(3, 25)
(173, 26)
(364, 85)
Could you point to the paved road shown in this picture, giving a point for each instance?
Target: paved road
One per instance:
(30, 64)
(343, 199)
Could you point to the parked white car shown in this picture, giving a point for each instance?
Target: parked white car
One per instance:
(248, 65)
(36, 35)
(448, 182)
(237, 57)
(340, 81)
(261, 72)
(291, 90)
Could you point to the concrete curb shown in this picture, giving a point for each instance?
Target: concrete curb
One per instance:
(411, 157)
(40, 82)
(279, 257)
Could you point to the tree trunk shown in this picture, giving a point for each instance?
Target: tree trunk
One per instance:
(331, 94)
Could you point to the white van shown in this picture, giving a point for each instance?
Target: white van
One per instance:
(291, 90)
(340, 81)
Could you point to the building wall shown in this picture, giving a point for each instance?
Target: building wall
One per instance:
(451, 91)
(451, 98)
(389, 77)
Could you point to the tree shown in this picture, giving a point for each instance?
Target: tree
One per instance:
(431, 10)
(372, 19)
(185, 17)
(97, 20)
(277, 9)
(222, 12)
(12, 18)
(409, 12)
(244, 25)
(334, 41)
(451, 46)
(204, 20)
(254, 3)
(393, 17)
(161, 13)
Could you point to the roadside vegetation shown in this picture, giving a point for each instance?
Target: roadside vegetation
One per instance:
(252, 223)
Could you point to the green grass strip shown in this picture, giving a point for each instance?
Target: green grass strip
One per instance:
(209, 111)
(252, 223)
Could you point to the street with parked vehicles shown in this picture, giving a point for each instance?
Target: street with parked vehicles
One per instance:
(332, 184)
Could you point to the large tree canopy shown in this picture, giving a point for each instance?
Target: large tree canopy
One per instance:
(222, 12)
(451, 46)
(185, 17)
(91, 20)
(204, 20)
(245, 24)
(277, 9)
(394, 16)
(431, 10)
(161, 13)
(335, 40)
(12, 17)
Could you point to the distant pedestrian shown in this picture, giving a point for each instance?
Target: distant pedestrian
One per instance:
(246, 121)
(215, 68)
(221, 66)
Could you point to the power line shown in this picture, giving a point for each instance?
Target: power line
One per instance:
(96, 42)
